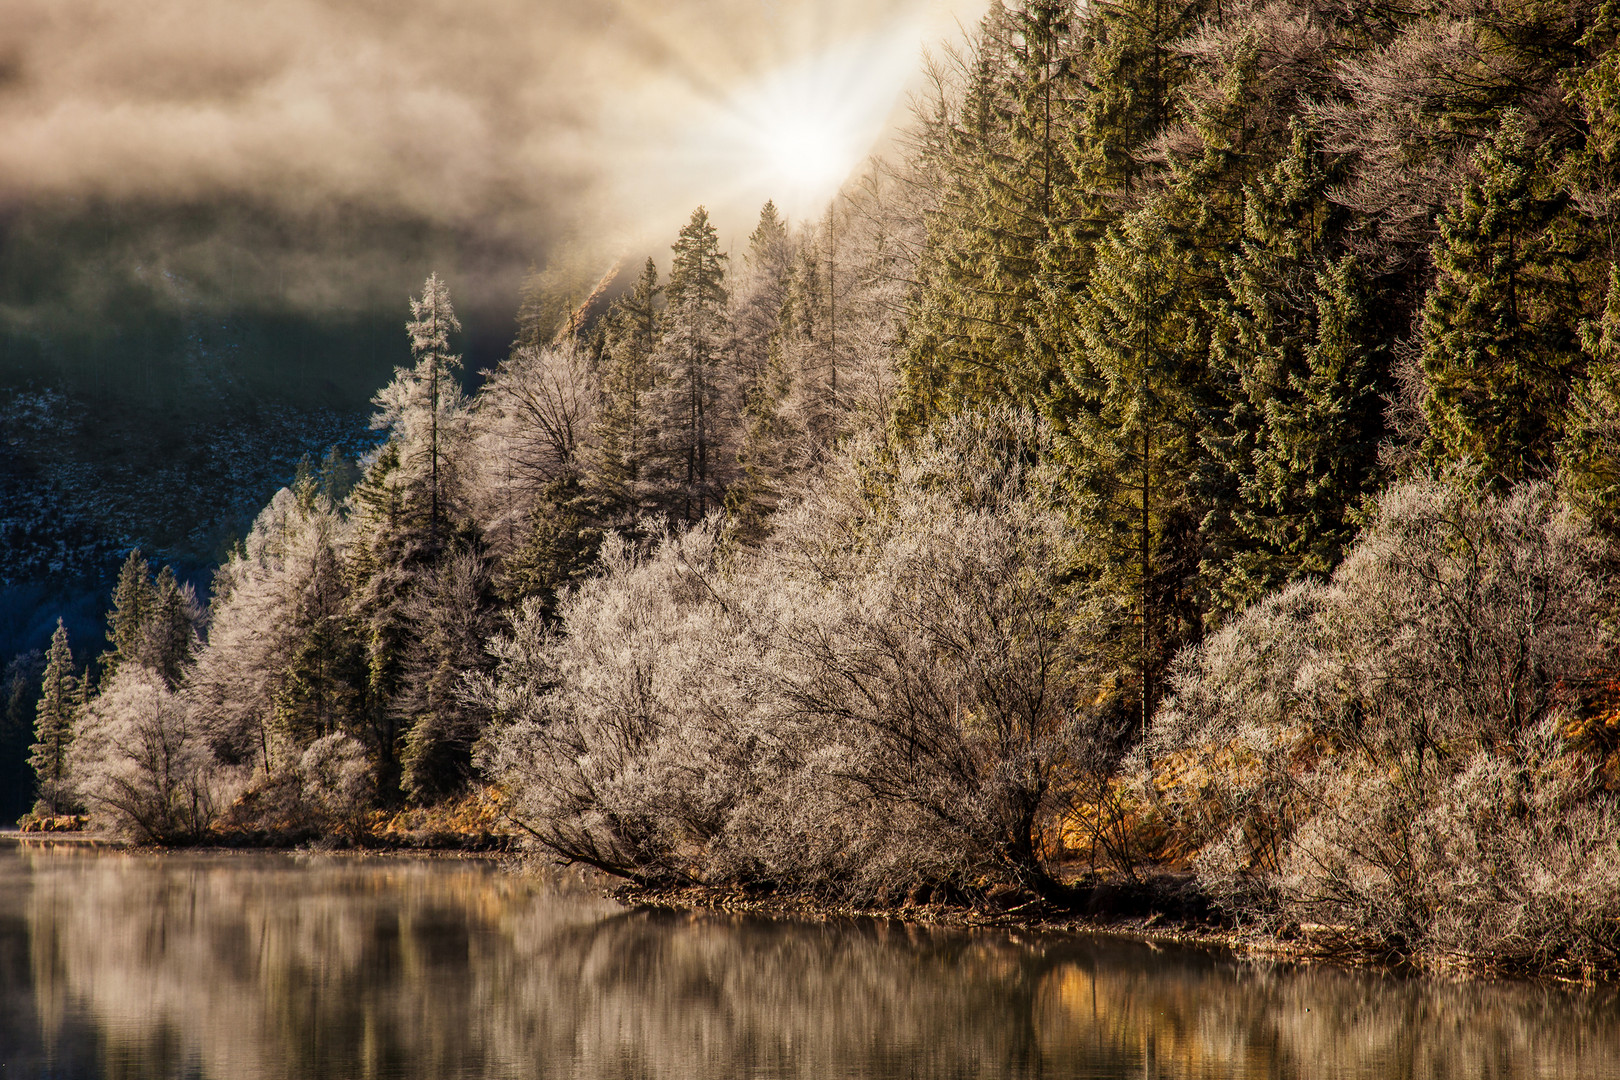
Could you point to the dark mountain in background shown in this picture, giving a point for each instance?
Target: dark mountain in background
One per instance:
(162, 371)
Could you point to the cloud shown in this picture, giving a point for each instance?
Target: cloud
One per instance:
(512, 120)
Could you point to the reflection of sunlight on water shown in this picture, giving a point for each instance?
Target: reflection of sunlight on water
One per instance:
(269, 966)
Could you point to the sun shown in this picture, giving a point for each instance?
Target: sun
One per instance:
(808, 150)
(797, 133)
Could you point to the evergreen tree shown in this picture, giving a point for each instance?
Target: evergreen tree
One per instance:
(1589, 453)
(1500, 338)
(169, 637)
(390, 554)
(693, 380)
(432, 321)
(1298, 368)
(766, 300)
(323, 683)
(625, 427)
(53, 728)
(1134, 442)
(452, 619)
(977, 335)
(422, 408)
(126, 622)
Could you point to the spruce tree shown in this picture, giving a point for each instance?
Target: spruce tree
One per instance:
(452, 620)
(692, 388)
(169, 636)
(432, 321)
(126, 622)
(53, 728)
(1500, 326)
(768, 300)
(625, 423)
(977, 335)
(1298, 369)
(1133, 445)
(322, 685)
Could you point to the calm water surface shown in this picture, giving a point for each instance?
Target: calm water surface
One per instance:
(243, 966)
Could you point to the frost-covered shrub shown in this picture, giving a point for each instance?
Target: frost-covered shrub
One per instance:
(889, 691)
(338, 782)
(932, 639)
(616, 738)
(1385, 749)
(142, 762)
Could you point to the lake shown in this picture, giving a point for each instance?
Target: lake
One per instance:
(137, 965)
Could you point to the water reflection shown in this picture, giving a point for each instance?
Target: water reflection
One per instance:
(117, 965)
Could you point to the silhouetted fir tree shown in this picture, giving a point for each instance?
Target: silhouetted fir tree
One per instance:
(691, 393)
(53, 728)
(1500, 326)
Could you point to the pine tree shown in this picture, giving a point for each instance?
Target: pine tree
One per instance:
(126, 622)
(452, 620)
(169, 637)
(1299, 369)
(624, 427)
(53, 728)
(1500, 326)
(692, 387)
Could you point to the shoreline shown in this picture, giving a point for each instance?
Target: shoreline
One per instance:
(1310, 945)
(1342, 947)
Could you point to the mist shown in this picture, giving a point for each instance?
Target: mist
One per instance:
(213, 214)
(295, 155)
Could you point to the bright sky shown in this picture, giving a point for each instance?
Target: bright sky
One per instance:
(509, 121)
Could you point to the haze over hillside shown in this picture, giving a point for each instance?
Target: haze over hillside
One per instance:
(211, 217)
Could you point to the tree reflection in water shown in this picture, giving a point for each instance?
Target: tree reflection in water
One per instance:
(120, 965)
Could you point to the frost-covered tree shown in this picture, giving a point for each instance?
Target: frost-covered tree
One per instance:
(422, 408)
(142, 763)
(282, 665)
(1391, 749)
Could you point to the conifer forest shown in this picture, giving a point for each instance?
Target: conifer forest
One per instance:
(1188, 467)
